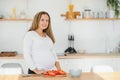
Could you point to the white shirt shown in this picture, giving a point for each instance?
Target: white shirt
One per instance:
(39, 51)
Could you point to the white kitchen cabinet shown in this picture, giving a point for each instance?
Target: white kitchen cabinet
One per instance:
(82, 63)
(86, 64)
(67, 64)
(20, 61)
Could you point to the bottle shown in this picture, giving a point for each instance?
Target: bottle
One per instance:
(71, 14)
(14, 13)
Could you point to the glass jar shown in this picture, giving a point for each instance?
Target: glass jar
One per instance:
(87, 13)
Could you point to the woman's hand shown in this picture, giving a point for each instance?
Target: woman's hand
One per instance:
(38, 71)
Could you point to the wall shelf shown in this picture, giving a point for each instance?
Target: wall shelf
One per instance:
(95, 19)
(27, 19)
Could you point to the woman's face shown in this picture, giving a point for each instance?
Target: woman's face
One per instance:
(44, 21)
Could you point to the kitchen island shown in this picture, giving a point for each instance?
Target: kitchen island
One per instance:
(83, 76)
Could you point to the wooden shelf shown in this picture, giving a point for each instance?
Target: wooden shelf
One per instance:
(95, 19)
(16, 19)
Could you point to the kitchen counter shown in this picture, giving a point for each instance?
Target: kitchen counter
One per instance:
(83, 76)
(73, 56)
(90, 55)
(18, 56)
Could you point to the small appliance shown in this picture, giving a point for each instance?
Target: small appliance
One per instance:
(70, 49)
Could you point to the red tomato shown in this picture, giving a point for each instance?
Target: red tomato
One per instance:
(51, 73)
(61, 72)
(55, 71)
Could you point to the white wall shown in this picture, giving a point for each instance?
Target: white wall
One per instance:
(91, 36)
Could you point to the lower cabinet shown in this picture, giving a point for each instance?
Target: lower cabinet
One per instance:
(86, 64)
(20, 61)
(83, 63)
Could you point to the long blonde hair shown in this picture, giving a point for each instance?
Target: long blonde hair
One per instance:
(35, 23)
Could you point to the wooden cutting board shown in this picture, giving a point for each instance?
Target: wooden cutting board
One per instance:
(37, 75)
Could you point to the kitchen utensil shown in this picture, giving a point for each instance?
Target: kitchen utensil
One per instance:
(8, 53)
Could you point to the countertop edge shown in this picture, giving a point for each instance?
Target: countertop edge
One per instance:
(72, 56)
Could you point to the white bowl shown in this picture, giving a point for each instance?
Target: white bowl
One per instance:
(75, 72)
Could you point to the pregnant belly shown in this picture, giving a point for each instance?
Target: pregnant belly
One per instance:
(44, 61)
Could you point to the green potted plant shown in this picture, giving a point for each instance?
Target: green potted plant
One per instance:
(115, 6)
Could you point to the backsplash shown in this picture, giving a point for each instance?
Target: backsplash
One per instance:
(91, 36)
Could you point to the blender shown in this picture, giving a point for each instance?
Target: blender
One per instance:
(70, 49)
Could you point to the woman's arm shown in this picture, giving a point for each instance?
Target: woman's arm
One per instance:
(57, 64)
(27, 47)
